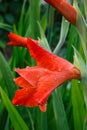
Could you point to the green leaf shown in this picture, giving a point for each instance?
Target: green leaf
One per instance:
(43, 41)
(73, 39)
(44, 21)
(78, 105)
(85, 6)
(5, 27)
(79, 62)
(34, 14)
(41, 119)
(63, 35)
(50, 22)
(81, 28)
(59, 112)
(44, 124)
(3, 113)
(16, 119)
(7, 76)
(21, 19)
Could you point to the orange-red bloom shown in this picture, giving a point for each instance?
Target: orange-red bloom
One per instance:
(38, 82)
(65, 9)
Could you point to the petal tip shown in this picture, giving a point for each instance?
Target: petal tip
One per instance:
(10, 43)
(9, 35)
(16, 69)
(43, 107)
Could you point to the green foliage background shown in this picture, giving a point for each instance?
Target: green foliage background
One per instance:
(66, 108)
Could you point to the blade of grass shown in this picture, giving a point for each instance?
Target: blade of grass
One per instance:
(85, 6)
(16, 119)
(20, 29)
(73, 39)
(6, 27)
(7, 76)
(7, 127)
(32, 29)
(44, 21)
(44, 124)
(31, 119)
(59, 112)
(3, 113)
(41, 119)
(42, 40)
(50, 22)
(78, 105)
(63, 35)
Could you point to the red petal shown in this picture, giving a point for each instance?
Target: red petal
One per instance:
(38, 95)
(43, 107)
(24, 97)
(31, 74)
(47, 59)
(17, 40)
(21, 82)
(50, 81)
(65, 9)
(11, 43)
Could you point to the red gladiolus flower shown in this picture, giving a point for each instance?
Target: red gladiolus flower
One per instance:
(65, 9)
(38, 82)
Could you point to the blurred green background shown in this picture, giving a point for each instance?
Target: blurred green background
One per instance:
(66, 108)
